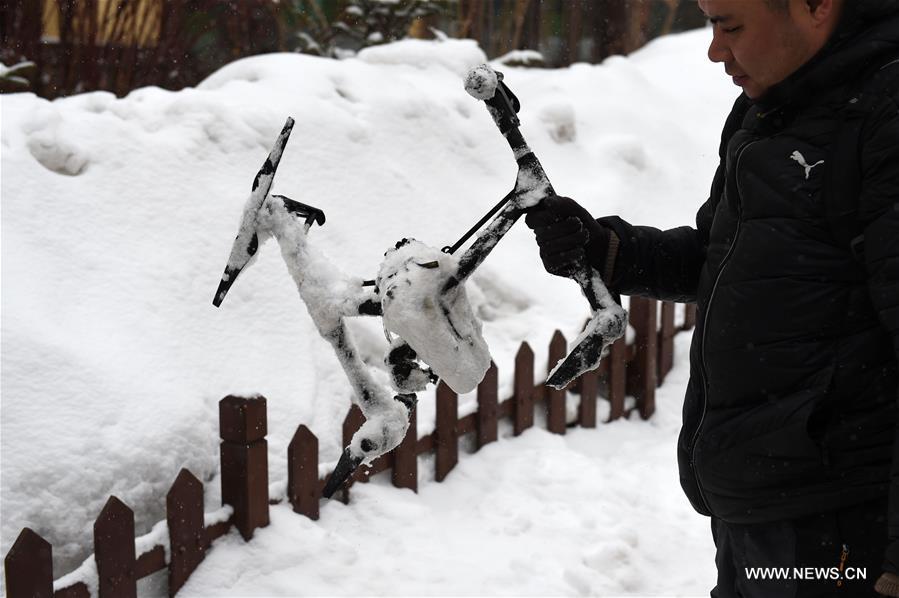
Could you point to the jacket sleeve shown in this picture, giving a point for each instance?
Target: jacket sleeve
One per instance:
(879, 212)
(662, 264)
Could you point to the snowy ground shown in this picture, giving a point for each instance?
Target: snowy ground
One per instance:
(117, 219)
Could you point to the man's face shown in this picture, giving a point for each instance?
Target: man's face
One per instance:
(759, 46)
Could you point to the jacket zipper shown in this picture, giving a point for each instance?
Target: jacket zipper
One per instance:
(842, 566)
(705, 324)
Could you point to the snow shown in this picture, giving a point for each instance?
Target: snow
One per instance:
(441, 327)
(456, 56)
(329, 295)
(481, 82)
(521, 58)
(118, 216)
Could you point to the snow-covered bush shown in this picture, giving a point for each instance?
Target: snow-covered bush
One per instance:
(17, 77)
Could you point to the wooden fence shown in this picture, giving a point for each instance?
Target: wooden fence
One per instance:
(634, 369)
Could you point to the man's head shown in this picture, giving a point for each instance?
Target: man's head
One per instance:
(762, 42)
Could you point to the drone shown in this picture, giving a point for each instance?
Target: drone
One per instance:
(419, 292)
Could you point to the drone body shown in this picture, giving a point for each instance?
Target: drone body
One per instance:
(419, 292)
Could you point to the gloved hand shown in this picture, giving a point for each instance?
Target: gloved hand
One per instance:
(568, 237)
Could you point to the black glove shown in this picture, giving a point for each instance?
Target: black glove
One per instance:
(568, 237)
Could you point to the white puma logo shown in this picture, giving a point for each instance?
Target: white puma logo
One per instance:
(801, 159)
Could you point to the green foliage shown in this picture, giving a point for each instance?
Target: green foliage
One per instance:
(310, 30)
(372, 22)
(361, 23)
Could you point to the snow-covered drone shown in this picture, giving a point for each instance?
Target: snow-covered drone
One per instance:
(419, 292)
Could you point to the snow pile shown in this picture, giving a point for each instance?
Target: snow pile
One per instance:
(454, 55)
(118, 216)
(531, 58)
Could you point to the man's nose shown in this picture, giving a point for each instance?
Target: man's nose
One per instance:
(718, 49)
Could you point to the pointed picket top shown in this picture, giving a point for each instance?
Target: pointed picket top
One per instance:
(555, 398)
(524, 353)
(186, 484)
(114, 513)
(187, 531)
(28, 544)
(114, 550)
(304, 437)
(492, 373)
(303, 490)
(488, 406)
(184, 502)
(523, 410)
(29, 566)
(558, 344)
(558, 348)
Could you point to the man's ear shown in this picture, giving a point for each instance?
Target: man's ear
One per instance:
(821, 11)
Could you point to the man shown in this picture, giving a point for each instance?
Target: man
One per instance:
(790, 414)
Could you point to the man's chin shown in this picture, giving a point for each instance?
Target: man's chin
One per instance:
(750, 88)
(753, 92)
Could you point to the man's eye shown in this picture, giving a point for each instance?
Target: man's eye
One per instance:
(731, 29)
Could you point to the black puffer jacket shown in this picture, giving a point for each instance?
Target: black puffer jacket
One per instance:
(791, 405)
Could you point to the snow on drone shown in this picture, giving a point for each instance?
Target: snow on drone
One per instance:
(432, 324)
(419, 292)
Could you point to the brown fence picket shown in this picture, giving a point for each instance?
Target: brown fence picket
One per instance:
(114, 550)
(641, 374)
(405, 457)
(244, 461)
(29, 567)
(616, 378)
(689, 316)
(187, 529)
(523, 410)
(666, 342)
(589, 389)
(445, 431)
(302, 473)
(488, 406)
(555, 399)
